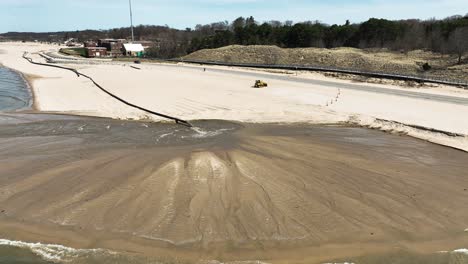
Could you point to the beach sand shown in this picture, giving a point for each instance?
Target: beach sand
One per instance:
(190, 93)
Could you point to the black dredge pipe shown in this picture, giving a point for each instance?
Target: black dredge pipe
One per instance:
(177, 120)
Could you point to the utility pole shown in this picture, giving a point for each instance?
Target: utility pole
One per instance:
(131, 19)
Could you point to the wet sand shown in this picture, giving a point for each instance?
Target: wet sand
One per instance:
(228, 191)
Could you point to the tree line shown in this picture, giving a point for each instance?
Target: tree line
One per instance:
(448, 36)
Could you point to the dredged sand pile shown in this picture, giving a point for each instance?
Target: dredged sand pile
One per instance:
(228, 191)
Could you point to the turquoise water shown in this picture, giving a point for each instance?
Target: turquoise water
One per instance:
(14, 91)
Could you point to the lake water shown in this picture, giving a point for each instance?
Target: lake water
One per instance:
(17, 252)
(14, 91)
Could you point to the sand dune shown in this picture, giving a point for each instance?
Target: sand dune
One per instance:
(350, 58)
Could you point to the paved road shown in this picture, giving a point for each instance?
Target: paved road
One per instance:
(331, 84)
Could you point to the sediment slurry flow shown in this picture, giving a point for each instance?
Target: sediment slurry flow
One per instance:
(228, 190)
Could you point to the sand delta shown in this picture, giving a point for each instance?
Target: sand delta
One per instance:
(275, 193)
(254, 190)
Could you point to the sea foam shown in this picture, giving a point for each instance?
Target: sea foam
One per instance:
(52, 252)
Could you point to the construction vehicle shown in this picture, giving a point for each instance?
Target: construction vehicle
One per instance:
(260, 84)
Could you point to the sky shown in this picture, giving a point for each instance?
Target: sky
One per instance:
(70, 15)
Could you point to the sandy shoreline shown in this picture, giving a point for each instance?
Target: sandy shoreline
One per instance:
(191, 94)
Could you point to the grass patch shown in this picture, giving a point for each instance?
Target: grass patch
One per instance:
(74, 51)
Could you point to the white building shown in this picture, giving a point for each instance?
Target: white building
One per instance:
(131, 49)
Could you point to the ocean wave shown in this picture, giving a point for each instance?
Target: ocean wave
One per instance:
(53, 252)
(62, 254)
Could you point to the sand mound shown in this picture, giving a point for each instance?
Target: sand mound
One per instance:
(347, 58)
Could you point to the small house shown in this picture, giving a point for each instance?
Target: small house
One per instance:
(93, 52)
(114, 46)
(134, 50)
(90, 44)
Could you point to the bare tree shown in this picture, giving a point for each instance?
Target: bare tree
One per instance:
(413, 37)
(288, 23)
(275, 23)
(458, 42)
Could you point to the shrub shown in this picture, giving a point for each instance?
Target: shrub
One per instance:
(426, 67)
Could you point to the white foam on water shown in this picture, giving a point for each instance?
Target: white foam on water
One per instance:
(205, 134)
(233, 262)
(461, 250)
(340, 263)
(164, 135)
(53, 252)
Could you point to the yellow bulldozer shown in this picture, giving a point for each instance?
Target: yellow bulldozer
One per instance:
(260, 84)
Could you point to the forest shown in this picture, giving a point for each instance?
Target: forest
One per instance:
(447, 36)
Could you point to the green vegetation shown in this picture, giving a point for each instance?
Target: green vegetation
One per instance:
(74, 51)
(446, 36)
